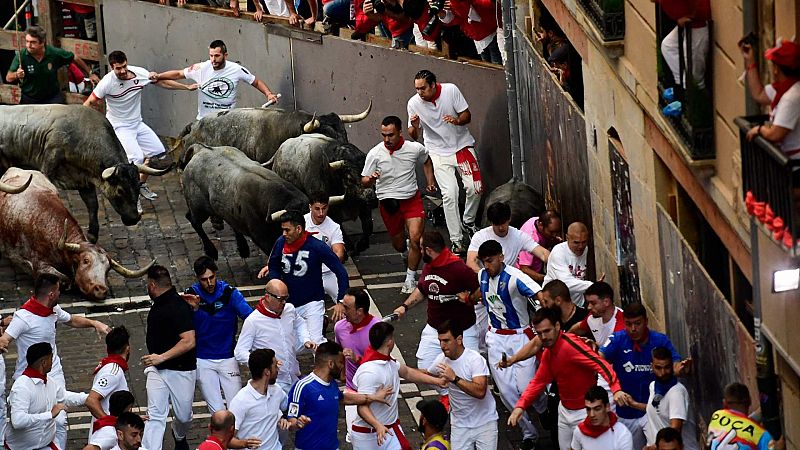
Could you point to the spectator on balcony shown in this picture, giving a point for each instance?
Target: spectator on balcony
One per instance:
(551, 37)
(85, 17)
(692, 16)
(782, 96)
(338, 12)
(478, 19)
(387, 13)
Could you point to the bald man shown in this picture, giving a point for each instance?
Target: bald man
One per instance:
(567, 262)
(223, 430)
(276, 325)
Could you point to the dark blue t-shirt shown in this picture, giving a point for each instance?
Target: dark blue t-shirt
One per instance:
(302, 270)
(215, 322)
(635, 368)
(314, 398)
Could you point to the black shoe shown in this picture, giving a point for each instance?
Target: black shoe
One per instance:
(527, 444)
(181, 444)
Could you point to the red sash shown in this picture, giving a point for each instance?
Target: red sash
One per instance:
(468, 166)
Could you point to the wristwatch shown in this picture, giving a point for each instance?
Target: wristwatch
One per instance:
(456, 380)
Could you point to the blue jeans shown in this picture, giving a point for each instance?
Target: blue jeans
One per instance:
(337, 10)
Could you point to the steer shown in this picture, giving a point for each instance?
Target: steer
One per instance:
(224, 182)
(524, 200)
(317, 163)
(38, 234)
(76, 148)
(258, 132)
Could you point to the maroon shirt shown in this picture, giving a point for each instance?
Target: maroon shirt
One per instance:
(441, 280)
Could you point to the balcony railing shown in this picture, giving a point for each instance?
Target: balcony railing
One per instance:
(608, 16)
(767, 176)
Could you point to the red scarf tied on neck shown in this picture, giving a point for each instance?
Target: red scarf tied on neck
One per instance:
(445, 257)
(105, 421)
(395, 148)
(437, 94)
(263, 310)
(117, 359)
(595, 431)
(780, 88)
(296, 245)
(364, 322)
(37, 308)
(373, 355)
(30, 372)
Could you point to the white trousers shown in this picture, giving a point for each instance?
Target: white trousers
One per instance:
(483, 437)
(217, 376)
(512, 381)
(482, 324)
(139, 141)
(330, 284)
(671, 53)
(429, 348)
(636, 427)
(445, 169)
(369, 441)
(568, 419)
(313, 313)
(350, 414)
(165, 387)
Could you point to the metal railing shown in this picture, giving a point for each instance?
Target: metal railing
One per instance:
(608, 16)
(767, 173)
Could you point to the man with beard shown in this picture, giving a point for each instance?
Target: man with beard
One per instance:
(109, 375)
(260, 404)
(104, 432)
(668, 403)
(130, 428)
(314, 407)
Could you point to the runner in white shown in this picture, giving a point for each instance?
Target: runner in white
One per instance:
(325, 229)
(601, 429)
(567, 262)
(103, 432)
(473, 414)
(109, 375)
(605, 318)
(217, 80)
(668, 404)
(122, 91)
(130, 429)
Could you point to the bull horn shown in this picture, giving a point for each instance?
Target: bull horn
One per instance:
(312, 124)
(350, 118)
(336, 165)
(62, 242)
(335, 199)
(274, 217)
(128, 273)
(150, 171)
(108, 173)
(9, 189)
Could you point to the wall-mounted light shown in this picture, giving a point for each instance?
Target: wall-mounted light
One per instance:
(785, 280)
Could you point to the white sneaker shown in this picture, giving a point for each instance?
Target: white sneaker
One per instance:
(408, 286)
(139, 208)
(145, 192)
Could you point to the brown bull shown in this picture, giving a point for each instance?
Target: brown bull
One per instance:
(39, 235)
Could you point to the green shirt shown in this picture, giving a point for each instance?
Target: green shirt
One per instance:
(41, 79)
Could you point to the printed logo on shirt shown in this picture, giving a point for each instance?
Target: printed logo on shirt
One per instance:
(294, 408)
(631, 367)
(102, 382)
(433, 288)
(320, 398)
(577, 271)
(218, 88)
(627, 350)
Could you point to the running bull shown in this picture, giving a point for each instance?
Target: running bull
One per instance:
(224, 182)
(75, 148)
(38, 234)
(317, 163)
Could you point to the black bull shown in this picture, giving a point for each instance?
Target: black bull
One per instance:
(76, 148)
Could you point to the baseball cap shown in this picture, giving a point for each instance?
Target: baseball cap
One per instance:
(785, 54)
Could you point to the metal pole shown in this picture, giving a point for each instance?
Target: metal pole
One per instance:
(15, 17)
(509, 32)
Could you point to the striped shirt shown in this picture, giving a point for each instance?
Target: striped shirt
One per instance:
(318, 400)
(436, 442)
(506, 297)
(123, 97)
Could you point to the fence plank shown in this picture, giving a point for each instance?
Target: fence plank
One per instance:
(10, 95)
(11, 40)
(87, 50)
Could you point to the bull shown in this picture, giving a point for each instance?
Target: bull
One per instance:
(318, 163)
(524, 200)
(224, 182)
(76, 149)
(38, 234)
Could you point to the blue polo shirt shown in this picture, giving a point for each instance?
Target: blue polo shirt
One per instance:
(634, 368)
(215, 323)
(318, 400)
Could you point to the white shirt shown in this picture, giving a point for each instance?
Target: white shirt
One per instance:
(109, 379)
(442, 138)
(674, 405)
(105, 438)
(328, 232)
(277, 8)
(512, 243)
(257, 415)
(467, 411)
(787, 115)
(217, 88)
(603, 331)
(123, 97)
(369, 377)
(27, 329)
(285, 336)
(30, 402)
(570, 268)
(398, 170)
(616, 438)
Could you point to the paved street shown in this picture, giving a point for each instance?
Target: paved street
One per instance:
(165, 235)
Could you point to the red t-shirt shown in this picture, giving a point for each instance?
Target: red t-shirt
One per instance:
(440, 281)
(211, 443)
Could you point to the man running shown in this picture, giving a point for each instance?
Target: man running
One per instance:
(103, 432)
(326, 230)
(109, 375)
(600, 430)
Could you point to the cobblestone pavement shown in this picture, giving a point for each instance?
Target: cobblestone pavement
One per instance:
(165, 235)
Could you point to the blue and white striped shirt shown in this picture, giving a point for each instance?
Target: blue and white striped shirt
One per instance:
(506, 297)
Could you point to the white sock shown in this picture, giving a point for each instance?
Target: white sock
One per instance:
(411, 275)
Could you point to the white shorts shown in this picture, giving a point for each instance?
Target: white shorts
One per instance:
(483, 437)
(369, 441)
(139, 141)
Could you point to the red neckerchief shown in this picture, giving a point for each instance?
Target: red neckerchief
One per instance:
(367, 319)
(37, 308)
(436, 95)
(263, 310)
(444, 258)
(215, 440)
(33, 373)
(396, 147)
(636, 346)
(594, 431)
(118, 359)
(373, 355)
(295, 246)
(105, 421)
(780, 88)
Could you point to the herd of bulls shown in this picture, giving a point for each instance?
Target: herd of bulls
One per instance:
(243, 166)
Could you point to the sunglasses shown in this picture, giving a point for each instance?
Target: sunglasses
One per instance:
(280, 298)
